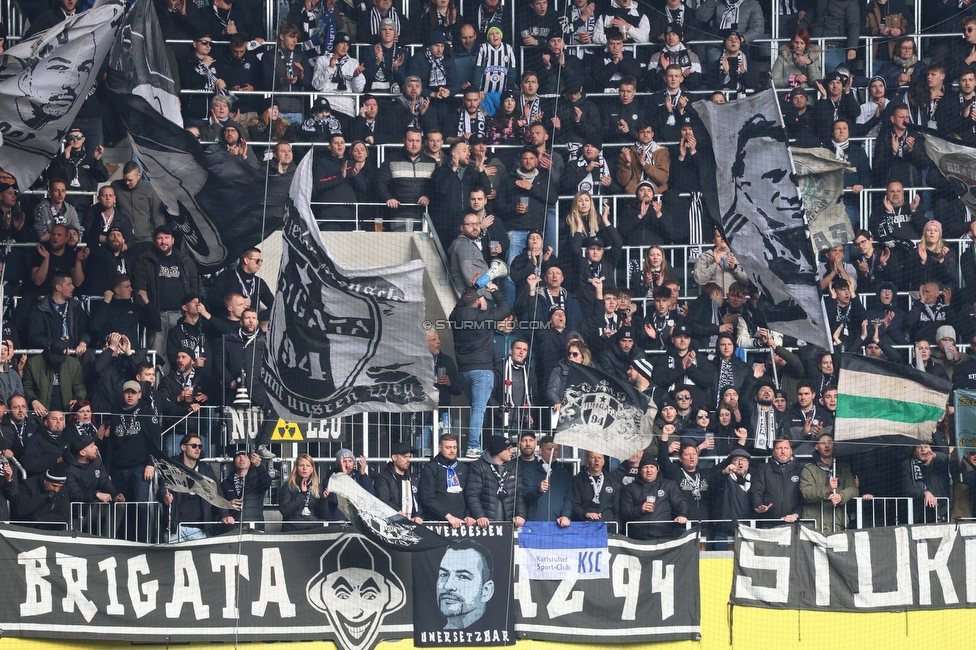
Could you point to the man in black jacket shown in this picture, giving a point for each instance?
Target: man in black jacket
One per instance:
(44, 449)
(243, 354)
(39, 498)
(161, 277)
(442, 484)
(472, 323)
(183, 506)
(243, 279)
(494, 490)
(132, 431)
(776, 485)
(595, 496)
(245, 488)
(88, 479)
(398, 484)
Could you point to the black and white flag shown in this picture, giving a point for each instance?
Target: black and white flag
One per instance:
(380, 522)
(139, 64)
(601, 413)
(180, 478)
(342, 341)
(44, 80)
(957, 162)
(221, 205)
(762, 215)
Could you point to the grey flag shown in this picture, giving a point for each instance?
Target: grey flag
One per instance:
(44, 80)
(820, 177)
(342, 341)
(756, 193)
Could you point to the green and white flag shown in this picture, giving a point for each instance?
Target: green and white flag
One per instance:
(880, 399)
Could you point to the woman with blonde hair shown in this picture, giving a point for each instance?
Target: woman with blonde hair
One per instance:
(936, 261)
(582, 217)
(650, 275)
(301, 499)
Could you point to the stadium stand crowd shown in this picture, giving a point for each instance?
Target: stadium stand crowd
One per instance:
(562, 138)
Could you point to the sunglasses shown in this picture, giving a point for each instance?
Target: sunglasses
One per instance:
(207, 43)
(683, 398)
(257, 261)
(703, 416)
(75, 137)
(572, 355)
(194, 445)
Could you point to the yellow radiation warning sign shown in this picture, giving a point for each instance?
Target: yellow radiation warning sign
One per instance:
(286, 432)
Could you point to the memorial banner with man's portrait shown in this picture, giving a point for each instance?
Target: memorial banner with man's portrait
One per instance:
(462, 595)
(762, 216)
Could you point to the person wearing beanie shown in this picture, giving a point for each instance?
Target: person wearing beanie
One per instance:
(652, 498)
(245, 487)
(593, 173)
(874, 112)
(494, 487)
(346, 463)
(87, 477)
(340, 75)
(935, 262)
(496, 66)
(40, 498)
(640, 373)
(735, 489)
(398, 485)
(619, 352)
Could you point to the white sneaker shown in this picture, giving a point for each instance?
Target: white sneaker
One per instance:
(473, 453)
(264, 452)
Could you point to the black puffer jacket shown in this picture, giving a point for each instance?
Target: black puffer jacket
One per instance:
(670, 504)
(482, 494)
(84, 480)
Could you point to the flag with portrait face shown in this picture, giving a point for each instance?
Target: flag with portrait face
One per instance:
(44, 80)
(755, 191)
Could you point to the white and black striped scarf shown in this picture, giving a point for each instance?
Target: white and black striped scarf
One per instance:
(438, 76)
(588, 183)
(375, 18)
(476, 125)
(730, 18)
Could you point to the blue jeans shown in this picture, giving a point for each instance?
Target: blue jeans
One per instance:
(833, 57)
(477, 385)
(516, 244)
(294, 118)
(551, 237)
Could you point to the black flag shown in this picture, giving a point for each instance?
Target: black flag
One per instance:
(601, 413)
(214, 199)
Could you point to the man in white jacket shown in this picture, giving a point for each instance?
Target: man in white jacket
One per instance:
(340, 74)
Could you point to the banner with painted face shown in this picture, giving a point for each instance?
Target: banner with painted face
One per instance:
(462, 594)
(44, 80)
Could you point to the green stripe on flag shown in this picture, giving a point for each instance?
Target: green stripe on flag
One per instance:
(854, 407)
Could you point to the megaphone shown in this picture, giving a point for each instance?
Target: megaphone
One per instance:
(497, 271)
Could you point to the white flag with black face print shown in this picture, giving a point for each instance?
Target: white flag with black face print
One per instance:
(756, 193)
(44, 80)
(342, 341)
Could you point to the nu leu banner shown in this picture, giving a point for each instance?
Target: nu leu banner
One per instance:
(880, 569)
(332, 584)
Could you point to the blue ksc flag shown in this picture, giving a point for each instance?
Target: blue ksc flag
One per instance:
(577, 552)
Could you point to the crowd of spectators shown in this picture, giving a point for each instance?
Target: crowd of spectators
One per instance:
(590, 280)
